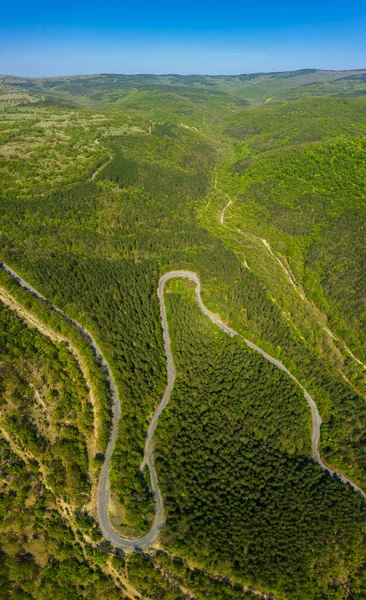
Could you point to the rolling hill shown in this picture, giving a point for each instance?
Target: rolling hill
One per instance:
(257, 184)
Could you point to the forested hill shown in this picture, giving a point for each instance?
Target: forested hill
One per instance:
(254, 88)
(257, 184)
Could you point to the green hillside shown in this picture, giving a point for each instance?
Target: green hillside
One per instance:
(299, 180)
(109, 181)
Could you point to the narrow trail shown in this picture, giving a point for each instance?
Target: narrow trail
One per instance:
(99, 169)
(67, 513)
(292, 281)
(298, 291)
(216, 577)
(303, 297)
(222, 216)
(33, 321)
(61, 506)
(103, 493)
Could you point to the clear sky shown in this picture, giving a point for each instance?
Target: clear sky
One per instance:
(40, 38)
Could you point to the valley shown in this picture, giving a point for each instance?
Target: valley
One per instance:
(182, 366)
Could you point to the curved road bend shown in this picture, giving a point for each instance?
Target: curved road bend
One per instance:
(103, 494)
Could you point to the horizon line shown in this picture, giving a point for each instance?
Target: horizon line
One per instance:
(104, 73)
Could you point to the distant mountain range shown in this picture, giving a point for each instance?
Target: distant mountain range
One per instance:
(255, 88)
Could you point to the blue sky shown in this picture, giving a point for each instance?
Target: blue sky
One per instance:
(42, 38)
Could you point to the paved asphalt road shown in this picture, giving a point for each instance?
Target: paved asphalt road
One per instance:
(103, 494)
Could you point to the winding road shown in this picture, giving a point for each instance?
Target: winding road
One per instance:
(103, 493)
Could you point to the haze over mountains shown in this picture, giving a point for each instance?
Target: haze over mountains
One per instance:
(254, 87)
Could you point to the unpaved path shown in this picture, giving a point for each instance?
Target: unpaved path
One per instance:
(305, 299)
(298, 291)
(99, 169)
(33, 321)
(222, 216)
(103, 494)
(292, 281)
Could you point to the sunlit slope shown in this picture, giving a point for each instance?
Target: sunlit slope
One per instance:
(299, 180)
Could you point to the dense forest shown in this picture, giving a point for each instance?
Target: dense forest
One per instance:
(106, 183)
(232, 458)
